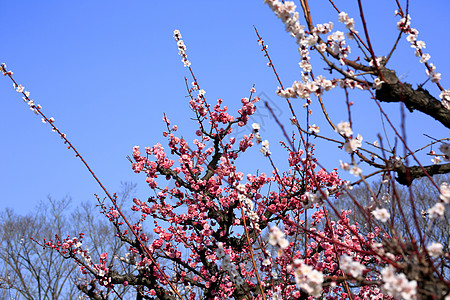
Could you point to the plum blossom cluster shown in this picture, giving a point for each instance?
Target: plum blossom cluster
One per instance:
(181, 48)
(207, 222)
(351, 144)
(304, 90)
(35, 108)
(286, 12)
(307, 278)
(435, 249)
(381, 214)
(349, 266)
(438, 209)
(354, 169)
(277, 239)
(349, 24)
(318, 197)
(445, 98)
(334, 44)
(445, 149)
(397, 285)
(227, 265)
(73, 248)
(21, 89)
(265, 144)
(404, 26)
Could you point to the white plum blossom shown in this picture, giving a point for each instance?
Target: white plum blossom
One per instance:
(424, 57)
(337, 36)
(404, 26)
(355, 170)
(308, 279)
(445, 149)
(349, 266)
(316, 197)
(349, 22)
(353, 144)
(436, 160)
(276, 238)
(445, 97)
(314, 129)
(256, 126)
(434, 76)
(378, 60)
(445, 192)
(435, 249)
(20, 88)
(181, 48)
(344, 166)
(377, 83)
(344, 129)
(265, 148)
(397, 285)
(381, 214)
(436, 211)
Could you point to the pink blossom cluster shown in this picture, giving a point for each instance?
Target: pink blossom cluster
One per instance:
(216, 233)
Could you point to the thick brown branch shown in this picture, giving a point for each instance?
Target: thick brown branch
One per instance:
(414, 99)
(417, 172)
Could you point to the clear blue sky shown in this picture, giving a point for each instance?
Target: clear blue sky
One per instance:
(107, 70)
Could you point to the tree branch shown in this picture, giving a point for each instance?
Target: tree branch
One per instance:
(414, 99)
(417, 172)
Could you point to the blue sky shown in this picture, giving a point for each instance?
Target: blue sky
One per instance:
(107, 70)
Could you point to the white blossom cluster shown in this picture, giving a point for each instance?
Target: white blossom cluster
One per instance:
(227, 265)
(404, 26)
(21, 89)
(445, 149)
(308, 279)
(354, 169)
(247, 205)
(181, 48)
(277, 239)
(435, 249)
(26, 98)
(352, 144)
(438, 209)
(337, 39)
(304, 90)
(445, 98)
(344, 129)
(314, 129)
(381, 214)
(397, 285)
(349, 266)
(317, 197)
(349, 24)
(265, 148)
(286, 12)
(335, 42)
(445, 192)
(265, 144)
(100, 269)
(277, 293)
